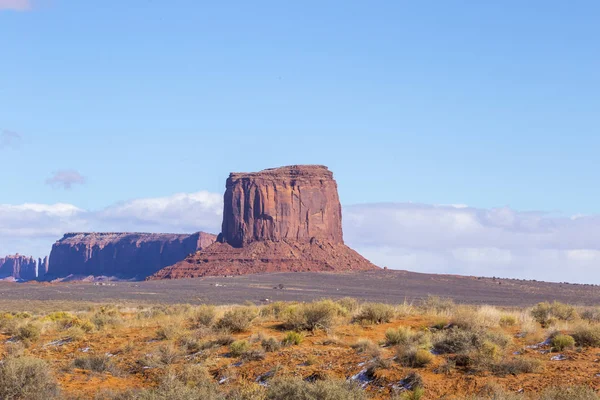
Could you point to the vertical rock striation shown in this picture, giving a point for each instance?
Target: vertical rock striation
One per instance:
(280, 219)
(296, 203)
(42, 268)
(18, 267)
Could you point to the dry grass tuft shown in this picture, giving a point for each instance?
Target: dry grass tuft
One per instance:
(374, 313)
(237, 320)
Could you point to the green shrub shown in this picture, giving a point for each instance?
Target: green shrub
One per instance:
(415, 394)
(484, 356)
(440, 324)
(493, 391)
(311, 316)
(237, 320)
(189, 343)
(29, 332)
(172, 387)
(545, 312)
(59, 315)
(437, 305)
(564, 312)
(591, 314)
(587, 335)
(508, 320)
(253, 355)
(349, 304)
(106, 318)
(168, 354)
(497, 337)
(367, 346)
(168, 332)
(204, 315)
(375, 313)
(456, 340)
(292, 338)
(238, 348)
(65, 321)
(223, 340)
(402, 335)
(413, 357)
(14, 350)
(8, 324)
(560, 342)
(95, 364)
(517, 366)
(27, 378)
(195, 375)
(273, 309)
(297, 389)
(569, 393)
(74, 333)
(270, 344)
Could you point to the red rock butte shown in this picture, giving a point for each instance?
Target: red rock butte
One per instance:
(283, 219)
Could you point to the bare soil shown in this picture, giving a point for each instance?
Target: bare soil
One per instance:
(380, 286)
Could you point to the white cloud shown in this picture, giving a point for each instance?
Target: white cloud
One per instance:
(17, 5)
(32, 228)
(418, 237)
(177, 213)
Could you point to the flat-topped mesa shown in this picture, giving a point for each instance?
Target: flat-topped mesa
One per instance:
(18, 267)
(126, 255)
(294, 203)
(286, 219)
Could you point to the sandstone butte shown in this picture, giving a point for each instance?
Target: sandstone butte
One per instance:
(123, 255)
(18, 267)
(286, 219)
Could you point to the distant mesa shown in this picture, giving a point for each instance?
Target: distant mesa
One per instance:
(19, 268)
(286, 219)
(122, 255)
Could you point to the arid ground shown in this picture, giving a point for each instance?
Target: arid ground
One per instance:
(381, 286)
(391, 334)
(344, 349)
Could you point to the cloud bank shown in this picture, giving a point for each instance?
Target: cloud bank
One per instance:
(471, 241)
(16, 5)
(452, 239)
(32, 228)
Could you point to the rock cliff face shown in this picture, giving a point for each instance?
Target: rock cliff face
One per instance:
(18, 267)
(125, 255)
(42, 268)
(297, 203)
(281, 219)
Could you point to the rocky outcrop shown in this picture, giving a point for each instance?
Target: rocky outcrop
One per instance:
(123, 255)
(42, 269)
(296, 203)
(18, 267)
(280, 219)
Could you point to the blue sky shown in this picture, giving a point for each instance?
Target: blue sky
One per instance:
(488, 104)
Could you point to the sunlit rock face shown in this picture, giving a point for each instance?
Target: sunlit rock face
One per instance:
(286, 219)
